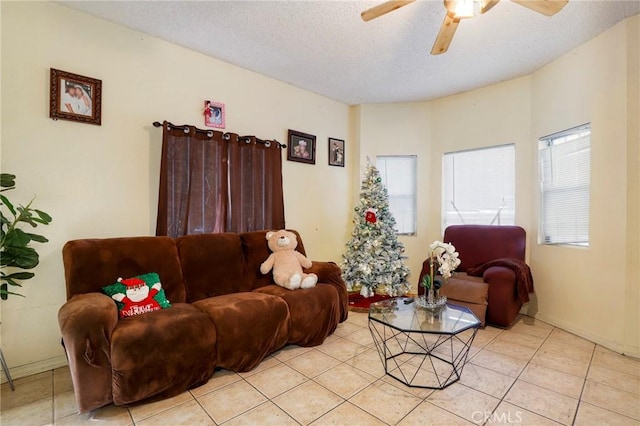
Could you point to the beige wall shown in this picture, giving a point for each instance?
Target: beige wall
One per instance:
(585, 290)
(632, 293)
(101, 181)
(494, 115)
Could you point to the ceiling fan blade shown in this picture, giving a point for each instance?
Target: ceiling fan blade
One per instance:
(447, 30)
(383, 9)
(546, 7)
(488, 5)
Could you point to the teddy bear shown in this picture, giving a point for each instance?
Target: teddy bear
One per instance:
(286, 262)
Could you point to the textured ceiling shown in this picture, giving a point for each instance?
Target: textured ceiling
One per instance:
(324, 46)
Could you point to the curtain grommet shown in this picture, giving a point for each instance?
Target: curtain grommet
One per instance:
(209, 133)
(267, 144)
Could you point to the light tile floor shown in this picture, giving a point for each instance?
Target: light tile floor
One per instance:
(531, 374)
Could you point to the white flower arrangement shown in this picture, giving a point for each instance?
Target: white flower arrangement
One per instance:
(445, 256)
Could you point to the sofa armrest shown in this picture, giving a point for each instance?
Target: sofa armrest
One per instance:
(86, 322)
(502, 284)
(499, 274)
(330, 273)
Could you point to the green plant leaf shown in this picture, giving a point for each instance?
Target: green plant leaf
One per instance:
(14, 248)
(17, 238)
(7, 180)
(21, 257)
(43, 217)
(7, 203)
(4, 292)
(12, 282)
(19, 275)
(26, 216)
(37, 238)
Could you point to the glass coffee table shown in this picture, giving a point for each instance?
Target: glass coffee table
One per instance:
(419, 347)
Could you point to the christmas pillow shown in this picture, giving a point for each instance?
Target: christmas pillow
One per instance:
(138, 295)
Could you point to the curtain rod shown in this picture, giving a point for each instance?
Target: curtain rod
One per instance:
(225, 136)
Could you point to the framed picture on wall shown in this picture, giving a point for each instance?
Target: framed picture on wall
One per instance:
(336, 152)
(214, 114)
(75, 97)
(301, 147)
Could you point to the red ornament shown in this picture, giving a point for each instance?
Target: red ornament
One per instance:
(370, 216)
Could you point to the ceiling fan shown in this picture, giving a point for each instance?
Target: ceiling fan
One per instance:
(462, 9)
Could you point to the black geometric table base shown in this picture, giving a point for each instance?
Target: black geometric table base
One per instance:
(431, 360)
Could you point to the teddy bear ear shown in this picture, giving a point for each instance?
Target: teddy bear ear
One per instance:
(270, 234)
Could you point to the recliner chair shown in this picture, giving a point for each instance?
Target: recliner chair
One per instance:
(502, 281)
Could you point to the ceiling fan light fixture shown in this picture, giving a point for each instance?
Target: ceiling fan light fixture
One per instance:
(465, 8)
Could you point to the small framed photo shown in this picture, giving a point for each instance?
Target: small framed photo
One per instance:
(301, 147)
(336, 152)
(75, 97)
(214, 114)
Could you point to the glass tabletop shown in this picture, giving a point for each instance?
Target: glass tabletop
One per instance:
(402, 314)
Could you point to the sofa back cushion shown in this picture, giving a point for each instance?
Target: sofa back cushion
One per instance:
(91, 264)
(478, 244)
(256, 251)
(212, 265)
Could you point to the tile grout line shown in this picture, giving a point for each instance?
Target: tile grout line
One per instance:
(200, 405)
(518, 378)
(520, 374)
(584, 384)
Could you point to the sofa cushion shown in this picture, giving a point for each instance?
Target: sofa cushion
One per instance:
(162, 353)
(212, 265)
(128, 288)
(467, 291)
(93, 263)
(315, 312)
(249, 327)
(256, 251)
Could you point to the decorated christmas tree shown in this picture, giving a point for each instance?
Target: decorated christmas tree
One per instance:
(374, 258)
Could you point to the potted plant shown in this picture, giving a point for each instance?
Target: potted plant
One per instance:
(16, 253)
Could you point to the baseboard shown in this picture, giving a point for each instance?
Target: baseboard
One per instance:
(34, 368)
(609, 344)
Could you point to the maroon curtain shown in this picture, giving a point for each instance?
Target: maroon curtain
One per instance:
(211, 182)
(255, 185)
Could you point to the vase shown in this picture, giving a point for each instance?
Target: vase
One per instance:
(431, 297)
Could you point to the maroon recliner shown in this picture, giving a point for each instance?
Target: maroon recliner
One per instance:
(495, 255)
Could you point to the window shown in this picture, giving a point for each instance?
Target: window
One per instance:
(398, 174)
(479, 187)
(565, 168)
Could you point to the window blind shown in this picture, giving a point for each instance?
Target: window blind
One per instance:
(565, 169)
(479, 186)
(398, 173)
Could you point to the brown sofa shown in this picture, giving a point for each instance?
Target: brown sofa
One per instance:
(224, 313)
(494, 288)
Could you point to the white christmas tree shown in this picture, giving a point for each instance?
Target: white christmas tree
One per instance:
(374, 257)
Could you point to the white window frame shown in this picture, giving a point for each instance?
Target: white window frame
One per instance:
(503, 214)
(403, 205)
(567, 223)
